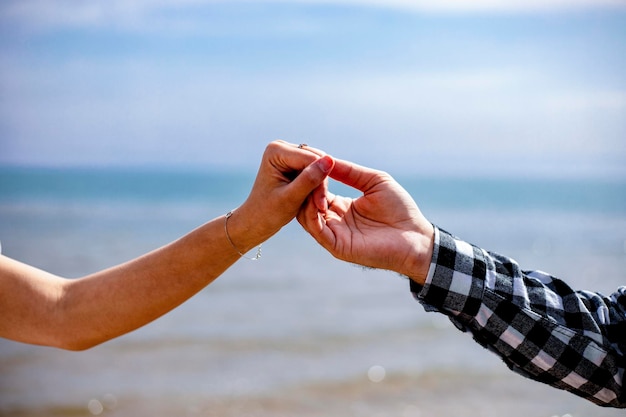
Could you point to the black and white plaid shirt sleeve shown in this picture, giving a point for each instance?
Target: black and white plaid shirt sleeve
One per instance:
(539, 326)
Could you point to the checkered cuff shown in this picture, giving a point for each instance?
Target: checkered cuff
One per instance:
(456, 278)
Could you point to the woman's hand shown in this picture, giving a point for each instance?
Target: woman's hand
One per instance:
(288, 174)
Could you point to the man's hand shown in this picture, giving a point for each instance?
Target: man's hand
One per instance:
(383, 228)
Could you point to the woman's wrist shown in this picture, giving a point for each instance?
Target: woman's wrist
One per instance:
(243, 231)
(232, 244)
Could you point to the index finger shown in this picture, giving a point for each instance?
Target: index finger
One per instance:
(356, 176)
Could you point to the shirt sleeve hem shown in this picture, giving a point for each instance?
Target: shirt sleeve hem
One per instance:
(456, 278)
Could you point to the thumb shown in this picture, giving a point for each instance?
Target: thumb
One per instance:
(312, 177)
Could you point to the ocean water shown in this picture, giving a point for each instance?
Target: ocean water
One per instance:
(298, 332)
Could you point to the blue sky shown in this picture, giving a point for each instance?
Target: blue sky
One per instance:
(449, 87)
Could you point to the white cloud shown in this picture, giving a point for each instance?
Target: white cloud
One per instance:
(462, 6)
(610, 101)
(383, 120)
(134, 14)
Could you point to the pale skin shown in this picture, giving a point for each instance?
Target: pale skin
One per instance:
(41, 308)
(383, 228)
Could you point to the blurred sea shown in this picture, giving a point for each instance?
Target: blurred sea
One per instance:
(297, 333)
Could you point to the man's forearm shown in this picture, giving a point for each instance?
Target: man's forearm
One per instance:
(523, 318)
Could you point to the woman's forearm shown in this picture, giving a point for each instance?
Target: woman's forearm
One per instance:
(77, 314)
(118, 300)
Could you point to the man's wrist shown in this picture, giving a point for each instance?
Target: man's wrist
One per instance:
(422, 252)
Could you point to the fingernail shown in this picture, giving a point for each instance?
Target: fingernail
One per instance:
(326, 163)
